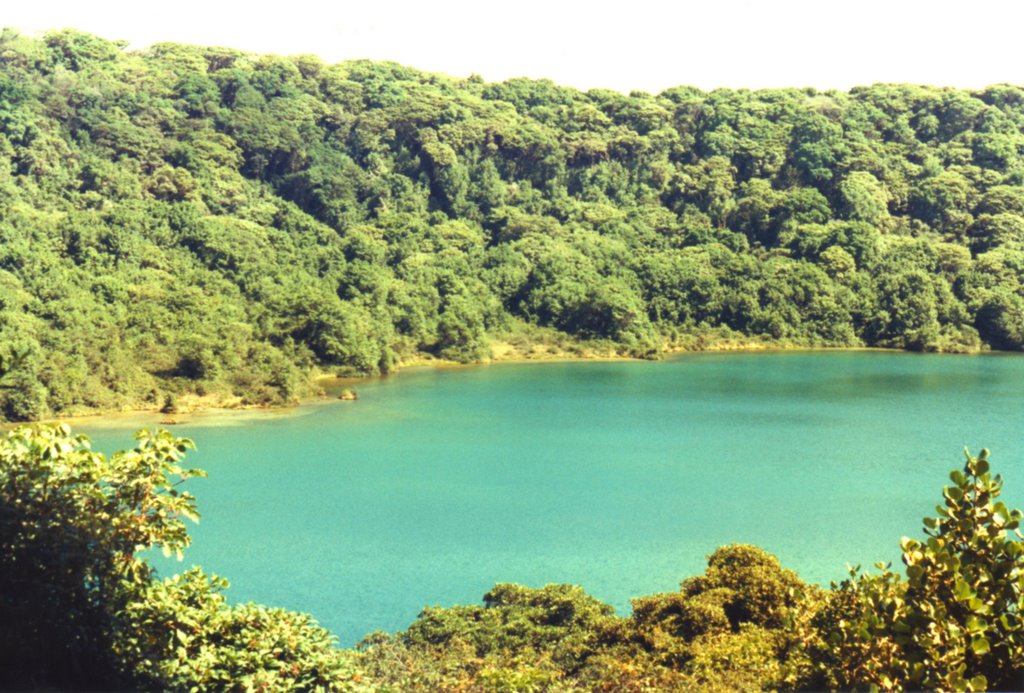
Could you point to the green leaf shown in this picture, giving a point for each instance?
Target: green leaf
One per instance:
(980, 646)
(962, 590)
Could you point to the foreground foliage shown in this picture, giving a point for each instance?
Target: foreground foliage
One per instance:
(182, 635)
(72, 522)
(81, 609)
(957, 621)
(186, 221)
(953, 624)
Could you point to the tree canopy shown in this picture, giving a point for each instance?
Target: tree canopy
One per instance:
(188, 220)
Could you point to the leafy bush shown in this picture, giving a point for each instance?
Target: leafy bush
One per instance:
(184, 636)
(71, 524)
(79, 606)
(957, 621)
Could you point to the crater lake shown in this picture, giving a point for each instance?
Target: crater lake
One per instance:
(617, 476)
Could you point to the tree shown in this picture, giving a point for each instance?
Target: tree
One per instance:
(942, 201)
(864, 198)
(1001, 320)
(907, 314)
(460, 331)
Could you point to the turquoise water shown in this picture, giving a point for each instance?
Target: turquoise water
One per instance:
(620, 477)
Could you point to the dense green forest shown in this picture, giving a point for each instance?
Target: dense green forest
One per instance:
(187, 220)
(81, 608)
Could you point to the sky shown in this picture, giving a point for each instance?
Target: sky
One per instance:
(617, 44)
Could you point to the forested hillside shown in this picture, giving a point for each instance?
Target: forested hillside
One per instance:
(186, 219)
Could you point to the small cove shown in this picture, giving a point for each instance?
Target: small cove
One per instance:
(618, 476)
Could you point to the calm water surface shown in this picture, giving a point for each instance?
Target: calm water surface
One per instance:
(620, 477)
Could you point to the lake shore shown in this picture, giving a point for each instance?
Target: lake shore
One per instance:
(212, 410)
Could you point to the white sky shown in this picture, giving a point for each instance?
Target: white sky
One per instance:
(623, 45)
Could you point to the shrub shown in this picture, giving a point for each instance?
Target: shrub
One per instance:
(955, 622)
